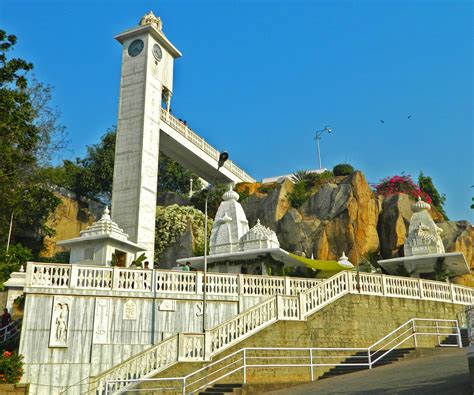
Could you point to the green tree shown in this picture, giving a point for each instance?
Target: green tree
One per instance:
(25, 193)
(426, 185)
(92, 175)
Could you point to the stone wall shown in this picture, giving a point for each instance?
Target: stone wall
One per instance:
(50, 369)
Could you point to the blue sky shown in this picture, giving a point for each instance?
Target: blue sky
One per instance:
(258, 78)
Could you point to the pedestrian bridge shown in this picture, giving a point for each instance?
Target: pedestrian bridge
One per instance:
(181, 143)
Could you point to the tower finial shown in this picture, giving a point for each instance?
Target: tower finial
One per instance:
(151, 19)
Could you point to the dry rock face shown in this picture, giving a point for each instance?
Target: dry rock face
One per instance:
(339, 217)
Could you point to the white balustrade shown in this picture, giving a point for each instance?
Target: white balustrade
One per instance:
(91, 277)
(48, 275)
(243, 325)
(151, 361)
(176, 281)
(463, 295)
(263, 285)
(298, 285)
(369, 284)
(402, 287)
(222, 284)
(191, 347)
(326, 292)
(134, 280)
(436, 290)
(288, 308)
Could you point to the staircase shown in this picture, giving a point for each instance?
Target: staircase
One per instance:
(393, 356)
(202, 347)
(222, 389)
(452, 340)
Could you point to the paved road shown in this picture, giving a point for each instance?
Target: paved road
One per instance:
(443, 374)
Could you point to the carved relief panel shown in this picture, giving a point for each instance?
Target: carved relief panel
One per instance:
(60, 320)
(101, 321)
(130, 310)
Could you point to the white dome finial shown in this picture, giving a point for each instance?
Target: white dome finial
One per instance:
(420, 205)
(344, 261)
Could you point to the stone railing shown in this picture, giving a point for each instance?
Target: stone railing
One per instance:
(199, 142)
(47, 275)
(153, 360)
(199, 347)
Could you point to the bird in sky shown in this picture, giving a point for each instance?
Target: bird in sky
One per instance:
(382, 121)
(409, 116)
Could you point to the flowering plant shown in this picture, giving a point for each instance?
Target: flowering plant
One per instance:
(400, 184)
(11, 367)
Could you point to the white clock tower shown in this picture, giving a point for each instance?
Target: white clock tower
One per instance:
(146, 82)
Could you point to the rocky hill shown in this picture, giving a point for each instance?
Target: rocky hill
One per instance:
(344, 214)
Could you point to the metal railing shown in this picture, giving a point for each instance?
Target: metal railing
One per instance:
(239, 362)
(10, 330)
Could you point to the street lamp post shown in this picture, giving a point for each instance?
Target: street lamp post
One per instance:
(222, 158)
(319, 134)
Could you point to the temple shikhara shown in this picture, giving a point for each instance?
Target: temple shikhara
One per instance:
(108, 321)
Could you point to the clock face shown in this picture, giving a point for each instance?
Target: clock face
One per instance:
(135, 47)
(157, 52)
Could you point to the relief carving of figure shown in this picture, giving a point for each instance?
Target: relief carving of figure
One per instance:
(62, 322)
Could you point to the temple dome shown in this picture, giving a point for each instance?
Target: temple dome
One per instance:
(420, 205)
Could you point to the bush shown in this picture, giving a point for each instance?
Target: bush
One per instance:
(173, 221)
(400, 184)
(343, 169)
(306, 183)
(11, 367)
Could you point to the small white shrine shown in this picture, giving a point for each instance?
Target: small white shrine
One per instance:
(423, 234)
(102, 243)
(234, 248)
(231, 233)
(424, 249)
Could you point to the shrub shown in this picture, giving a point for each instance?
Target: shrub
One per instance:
(400, 184)
(267, 188)
(306, 183)
(173, 221)
(11, 367)
(343, 169)
(299, 195)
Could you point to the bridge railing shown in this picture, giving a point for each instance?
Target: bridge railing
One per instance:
(48, 275)
(199, 142)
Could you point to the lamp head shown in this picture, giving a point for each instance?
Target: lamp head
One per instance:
(222, 158)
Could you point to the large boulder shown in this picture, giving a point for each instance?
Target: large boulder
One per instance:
(339, 217)
(458, 236)
(393, 224)
(394, 220)
(181, 248)
(269, 207)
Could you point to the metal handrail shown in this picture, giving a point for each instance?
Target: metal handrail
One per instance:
(8, 329)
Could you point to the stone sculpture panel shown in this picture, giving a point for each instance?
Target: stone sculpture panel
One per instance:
(60, 320)
(101, 321)
(130, 310)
